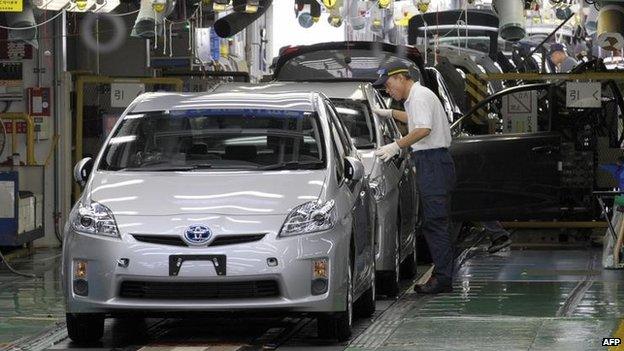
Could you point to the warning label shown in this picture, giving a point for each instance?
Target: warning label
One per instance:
(11, 5)
(520, 112)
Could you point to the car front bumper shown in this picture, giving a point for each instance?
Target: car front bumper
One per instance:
(245, 262)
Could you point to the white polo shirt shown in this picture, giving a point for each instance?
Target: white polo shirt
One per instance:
(424, 110)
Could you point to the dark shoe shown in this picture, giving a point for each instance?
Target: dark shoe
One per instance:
(433, 286)
(499, 244)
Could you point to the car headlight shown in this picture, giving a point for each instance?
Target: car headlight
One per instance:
(378, 188)
(310, 217)
(94, 218)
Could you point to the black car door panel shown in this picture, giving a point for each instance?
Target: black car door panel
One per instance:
(507, 176)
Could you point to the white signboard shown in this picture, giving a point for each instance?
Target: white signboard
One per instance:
(583, 95)
(520, 112)
(122, 94)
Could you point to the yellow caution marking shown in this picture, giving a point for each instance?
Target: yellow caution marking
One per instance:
(476, 89)
(619, 333)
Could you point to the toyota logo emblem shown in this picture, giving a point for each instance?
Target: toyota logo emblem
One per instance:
(197, 235)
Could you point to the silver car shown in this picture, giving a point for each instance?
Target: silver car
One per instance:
(222, 202)
(393, 183)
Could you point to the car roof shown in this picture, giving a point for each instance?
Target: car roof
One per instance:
(333, 90)
(162, 101)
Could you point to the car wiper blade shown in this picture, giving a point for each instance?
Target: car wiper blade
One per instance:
(291, 165)
(201, 166)
(159, 169)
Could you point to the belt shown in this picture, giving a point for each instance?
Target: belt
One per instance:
(440, 149)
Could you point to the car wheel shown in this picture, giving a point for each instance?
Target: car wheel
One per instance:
(365, 306)
(85, 328)
(337, 326)
(408, 267)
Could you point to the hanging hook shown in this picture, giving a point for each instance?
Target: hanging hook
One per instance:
(165, 36)
(171, 39)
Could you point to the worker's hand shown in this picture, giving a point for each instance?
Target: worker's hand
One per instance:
(382, 112)
(387, 152)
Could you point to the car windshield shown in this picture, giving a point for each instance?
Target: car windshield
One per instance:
(188, 140)
(357, 118)
(361, 65)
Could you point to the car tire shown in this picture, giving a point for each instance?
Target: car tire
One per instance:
(409, 265)
(365, 306)
(338, 325)
(85, 328)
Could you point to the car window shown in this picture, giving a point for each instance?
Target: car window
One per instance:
(339, 151)
(354, 64)
(231, 138)
(343, 135)
(357, 118)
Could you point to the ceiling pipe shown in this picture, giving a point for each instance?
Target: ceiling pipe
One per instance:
(237, 21)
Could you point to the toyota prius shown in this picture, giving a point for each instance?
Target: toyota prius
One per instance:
(222, 202)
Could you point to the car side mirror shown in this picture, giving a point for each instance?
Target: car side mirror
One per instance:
(82, 170)
(354, 169)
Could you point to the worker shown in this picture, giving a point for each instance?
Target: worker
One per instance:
(429, 137)
(561, 59)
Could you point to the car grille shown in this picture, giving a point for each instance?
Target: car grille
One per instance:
(161, 239)
(199, 290)
(175, 240)
(236, 239)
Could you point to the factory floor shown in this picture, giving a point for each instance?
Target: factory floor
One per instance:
(547, 299)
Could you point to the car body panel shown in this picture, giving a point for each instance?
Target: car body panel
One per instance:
(203, 192)
(507, 176)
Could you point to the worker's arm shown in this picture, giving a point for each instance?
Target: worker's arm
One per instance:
(413, 137)
(387, 113)
(400, 116)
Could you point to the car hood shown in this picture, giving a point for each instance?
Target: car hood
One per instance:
(224, 193)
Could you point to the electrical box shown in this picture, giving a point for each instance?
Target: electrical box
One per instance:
(21, 205)
(39, 109)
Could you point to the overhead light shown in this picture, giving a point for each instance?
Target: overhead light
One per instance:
(384, 4)
(51, 5)
(335, 21)
(330, 4)
(105, 6)
(423, 5)
(252, 6)
(159, 6)
(220, 5)
(23, 19)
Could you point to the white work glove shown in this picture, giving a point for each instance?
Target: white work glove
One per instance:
(385, 113)
(387, 152)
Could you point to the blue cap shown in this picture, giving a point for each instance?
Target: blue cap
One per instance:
(388, 71)
(556, 47)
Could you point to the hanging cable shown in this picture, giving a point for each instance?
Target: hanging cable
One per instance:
(122, 14)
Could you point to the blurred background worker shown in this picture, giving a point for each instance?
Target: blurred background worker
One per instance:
(429, 137)
(561, 59)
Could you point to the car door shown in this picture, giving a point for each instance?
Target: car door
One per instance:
(405, 171)
(507, 176)
(361, 211)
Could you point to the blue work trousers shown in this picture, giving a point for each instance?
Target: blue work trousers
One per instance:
(436, 179)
